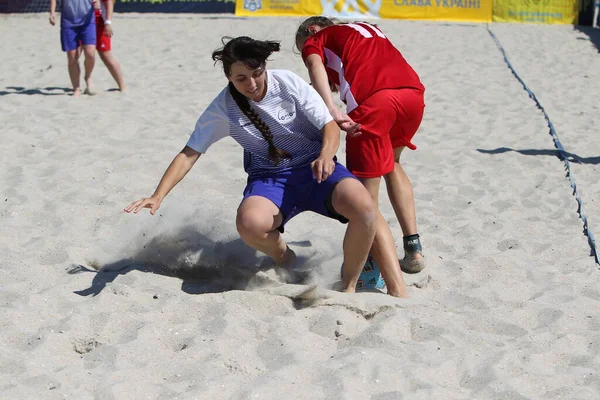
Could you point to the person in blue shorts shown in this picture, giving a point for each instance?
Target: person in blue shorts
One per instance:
(77, 27)
(289, 140)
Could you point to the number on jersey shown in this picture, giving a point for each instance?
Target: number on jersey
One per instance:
(361, 29)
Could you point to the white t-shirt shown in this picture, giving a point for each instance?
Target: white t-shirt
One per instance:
(292, 109)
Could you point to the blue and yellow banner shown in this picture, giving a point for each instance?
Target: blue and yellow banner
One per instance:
(536, 11)
(444, 10)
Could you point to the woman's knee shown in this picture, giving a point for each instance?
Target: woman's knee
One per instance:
(249, 224)
(255, 218)
(89, 51)
(72, 57)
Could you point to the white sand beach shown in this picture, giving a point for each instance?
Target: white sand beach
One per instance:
(507, 308)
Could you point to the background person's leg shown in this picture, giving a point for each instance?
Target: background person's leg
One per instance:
(104, 47)
(89, 52)
(74, 71)
(113, 67)
(70, 45)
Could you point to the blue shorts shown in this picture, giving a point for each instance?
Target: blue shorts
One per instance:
(72, 36)
(296, 190)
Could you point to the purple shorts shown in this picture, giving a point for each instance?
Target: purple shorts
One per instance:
(72, 36)
(296, 190)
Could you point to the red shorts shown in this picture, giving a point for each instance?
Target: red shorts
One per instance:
(102, 41)
(389, 119)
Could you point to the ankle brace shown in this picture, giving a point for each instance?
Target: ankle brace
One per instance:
(412, 244)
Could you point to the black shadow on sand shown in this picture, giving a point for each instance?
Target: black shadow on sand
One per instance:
(203, 265)
(593, 34)
(47, 91)
(574, 158)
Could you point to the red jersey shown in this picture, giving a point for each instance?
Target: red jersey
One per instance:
(360, 60)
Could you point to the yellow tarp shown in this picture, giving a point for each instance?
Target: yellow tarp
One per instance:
(444, 10)
(536, 11)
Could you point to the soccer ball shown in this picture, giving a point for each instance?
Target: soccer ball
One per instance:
(370, 277)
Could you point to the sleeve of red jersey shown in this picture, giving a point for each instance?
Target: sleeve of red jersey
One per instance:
(313, 46)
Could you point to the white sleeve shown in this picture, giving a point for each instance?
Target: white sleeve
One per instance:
(310, 102)
(212, 126)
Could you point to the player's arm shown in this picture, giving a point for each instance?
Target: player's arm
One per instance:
(52, 12)
(331, 140)
(320, 81)
(324, 166)
(177, 170)
(110, 7)
(108, 23)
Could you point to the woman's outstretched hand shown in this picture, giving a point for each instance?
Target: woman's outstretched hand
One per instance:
(152, 203)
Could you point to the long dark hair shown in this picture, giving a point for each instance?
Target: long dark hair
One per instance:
(254, 54)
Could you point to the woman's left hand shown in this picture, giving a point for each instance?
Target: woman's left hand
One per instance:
(322, 168)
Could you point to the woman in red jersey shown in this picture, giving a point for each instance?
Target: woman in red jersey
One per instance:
(385, 102)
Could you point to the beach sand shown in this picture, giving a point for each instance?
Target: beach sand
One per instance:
(507, 307)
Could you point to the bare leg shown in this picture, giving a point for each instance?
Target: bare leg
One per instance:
(113, 67)
(89, 52)
(257, 222)
(74, 71)
(595, 20)
(384, 247)
(401, 196)
(351, 200)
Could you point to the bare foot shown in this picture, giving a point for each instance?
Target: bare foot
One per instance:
(288, 259)
(89, 90)
(123, 89)
(403, 294)
(412, 263)
(76, 92)
(285, 266)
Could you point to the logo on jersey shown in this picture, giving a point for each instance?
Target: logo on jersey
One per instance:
(286, 112)
(252, 5)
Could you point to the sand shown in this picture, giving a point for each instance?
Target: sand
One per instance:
(507, 307)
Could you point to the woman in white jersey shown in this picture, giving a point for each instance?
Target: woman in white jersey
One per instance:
(289, 141)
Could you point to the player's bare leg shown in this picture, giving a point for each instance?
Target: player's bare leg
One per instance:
(352, 201)
(89, 52)
(384, 247)
(114, 67)
(401, 196)
(74, 71)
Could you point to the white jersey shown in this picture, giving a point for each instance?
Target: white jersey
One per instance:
(292, 109)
